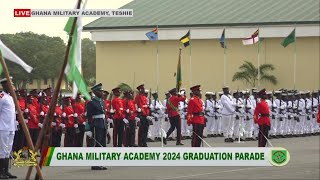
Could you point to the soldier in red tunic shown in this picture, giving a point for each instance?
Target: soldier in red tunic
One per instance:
(131, 116)
(262, 118)
(195, 116)
(68, 120)
(118, 118)
(57, 127)
(173, 114)
(143, 112)
(108, 114)
(79, 109)
(32, 119)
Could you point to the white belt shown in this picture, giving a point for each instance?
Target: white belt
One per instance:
(102, 116)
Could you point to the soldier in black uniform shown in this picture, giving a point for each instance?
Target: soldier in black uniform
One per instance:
(96, 114)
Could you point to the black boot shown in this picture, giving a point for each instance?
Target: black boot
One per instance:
(6, 169)
(2, 171)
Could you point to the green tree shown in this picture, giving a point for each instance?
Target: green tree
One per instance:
(45, 54)
(249, 74)
(88, 52)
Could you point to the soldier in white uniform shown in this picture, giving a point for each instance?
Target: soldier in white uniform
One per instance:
(209, 114)
(253, 99)
(280, 114)
(182, 106)
(299, 115)
(218, 109)
(238, 116)
(314, 104)
(7, 129)
(227, 114)
(308, 125)
(248, 122)
(273, 116)
(157, 111)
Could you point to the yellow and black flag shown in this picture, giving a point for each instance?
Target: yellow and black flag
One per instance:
(186, 39)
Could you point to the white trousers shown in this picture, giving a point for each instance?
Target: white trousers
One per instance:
(238, 125)
(274, 125)
(184, 127)
(218, 125)
(228, 125)
(6, 142)
(156, 130)
(210, 125)
(248, 127)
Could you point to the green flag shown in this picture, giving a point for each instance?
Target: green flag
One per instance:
(289, 39)
(72, 70)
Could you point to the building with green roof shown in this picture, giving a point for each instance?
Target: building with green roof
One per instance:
(124, 53)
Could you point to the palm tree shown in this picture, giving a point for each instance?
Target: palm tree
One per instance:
(249, 74)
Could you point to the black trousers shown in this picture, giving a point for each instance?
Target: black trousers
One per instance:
(263, 132)
(143, 131)
(129, 134)
(100, 136)
(118, 132)
(70, 135)
(56, 136)
(34, 133)
(19, 140)
(79, 136)
(175, 123)
(197, 131)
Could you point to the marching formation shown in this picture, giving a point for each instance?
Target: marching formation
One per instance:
(224, 114)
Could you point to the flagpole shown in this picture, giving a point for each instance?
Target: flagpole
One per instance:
(294, 60)
(190, 61)
(224, 59)
(258, 58)
(20, 116)
(157, 70)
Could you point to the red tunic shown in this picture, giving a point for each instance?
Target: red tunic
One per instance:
(22, 104)
(195, 107)
(172, 105)
(131, 105)
(58, 112)
(262, 108)
(142, 103)
(107, 103)
(80, 112)
(117, 105)
(35, 102)
(69, 113)
(33, 119)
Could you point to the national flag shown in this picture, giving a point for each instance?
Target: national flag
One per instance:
(222, 39)
(74, 59)
(289, 39)
(186, 39)
(178, 74)
(251, 40)
(11, 56)
(153, 35)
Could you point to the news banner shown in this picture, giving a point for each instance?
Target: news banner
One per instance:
(87, 156)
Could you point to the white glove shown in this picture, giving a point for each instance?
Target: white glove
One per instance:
(26, 121)
(139, 110)
(112, 110)
(54, 114)
(75, 115)
(85, 114)
(53, 123)
(181, 93)
(26, 110)
(109, 120)
(62, 125)
(137, 119)
(84, 123)
(41, 113)
(127, 111)
(40, 125)
(125, 121)
(89, 134)
(64, 114)
(150, 118)
(75, 126)
(155, 115)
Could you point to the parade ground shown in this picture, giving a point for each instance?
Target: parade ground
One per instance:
(304, 164)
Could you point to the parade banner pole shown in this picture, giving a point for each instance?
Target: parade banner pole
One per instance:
(190, 61)
(20, 115)
(53, 102)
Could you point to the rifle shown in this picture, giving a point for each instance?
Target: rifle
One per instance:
(272, 108)
(110, 114)
(63, 118)
(288, 108)
(41, 110)
(205, 112)
(247, 109)
(166, 111)
(150, 94)
(297, 110)
(26, 113)
(154, 108)
(237, 108)
(280, 110)
(215, 108)
(312, 108)
(76, 119)
(307, 110)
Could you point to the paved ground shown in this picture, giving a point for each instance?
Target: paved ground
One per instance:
(304, 164)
